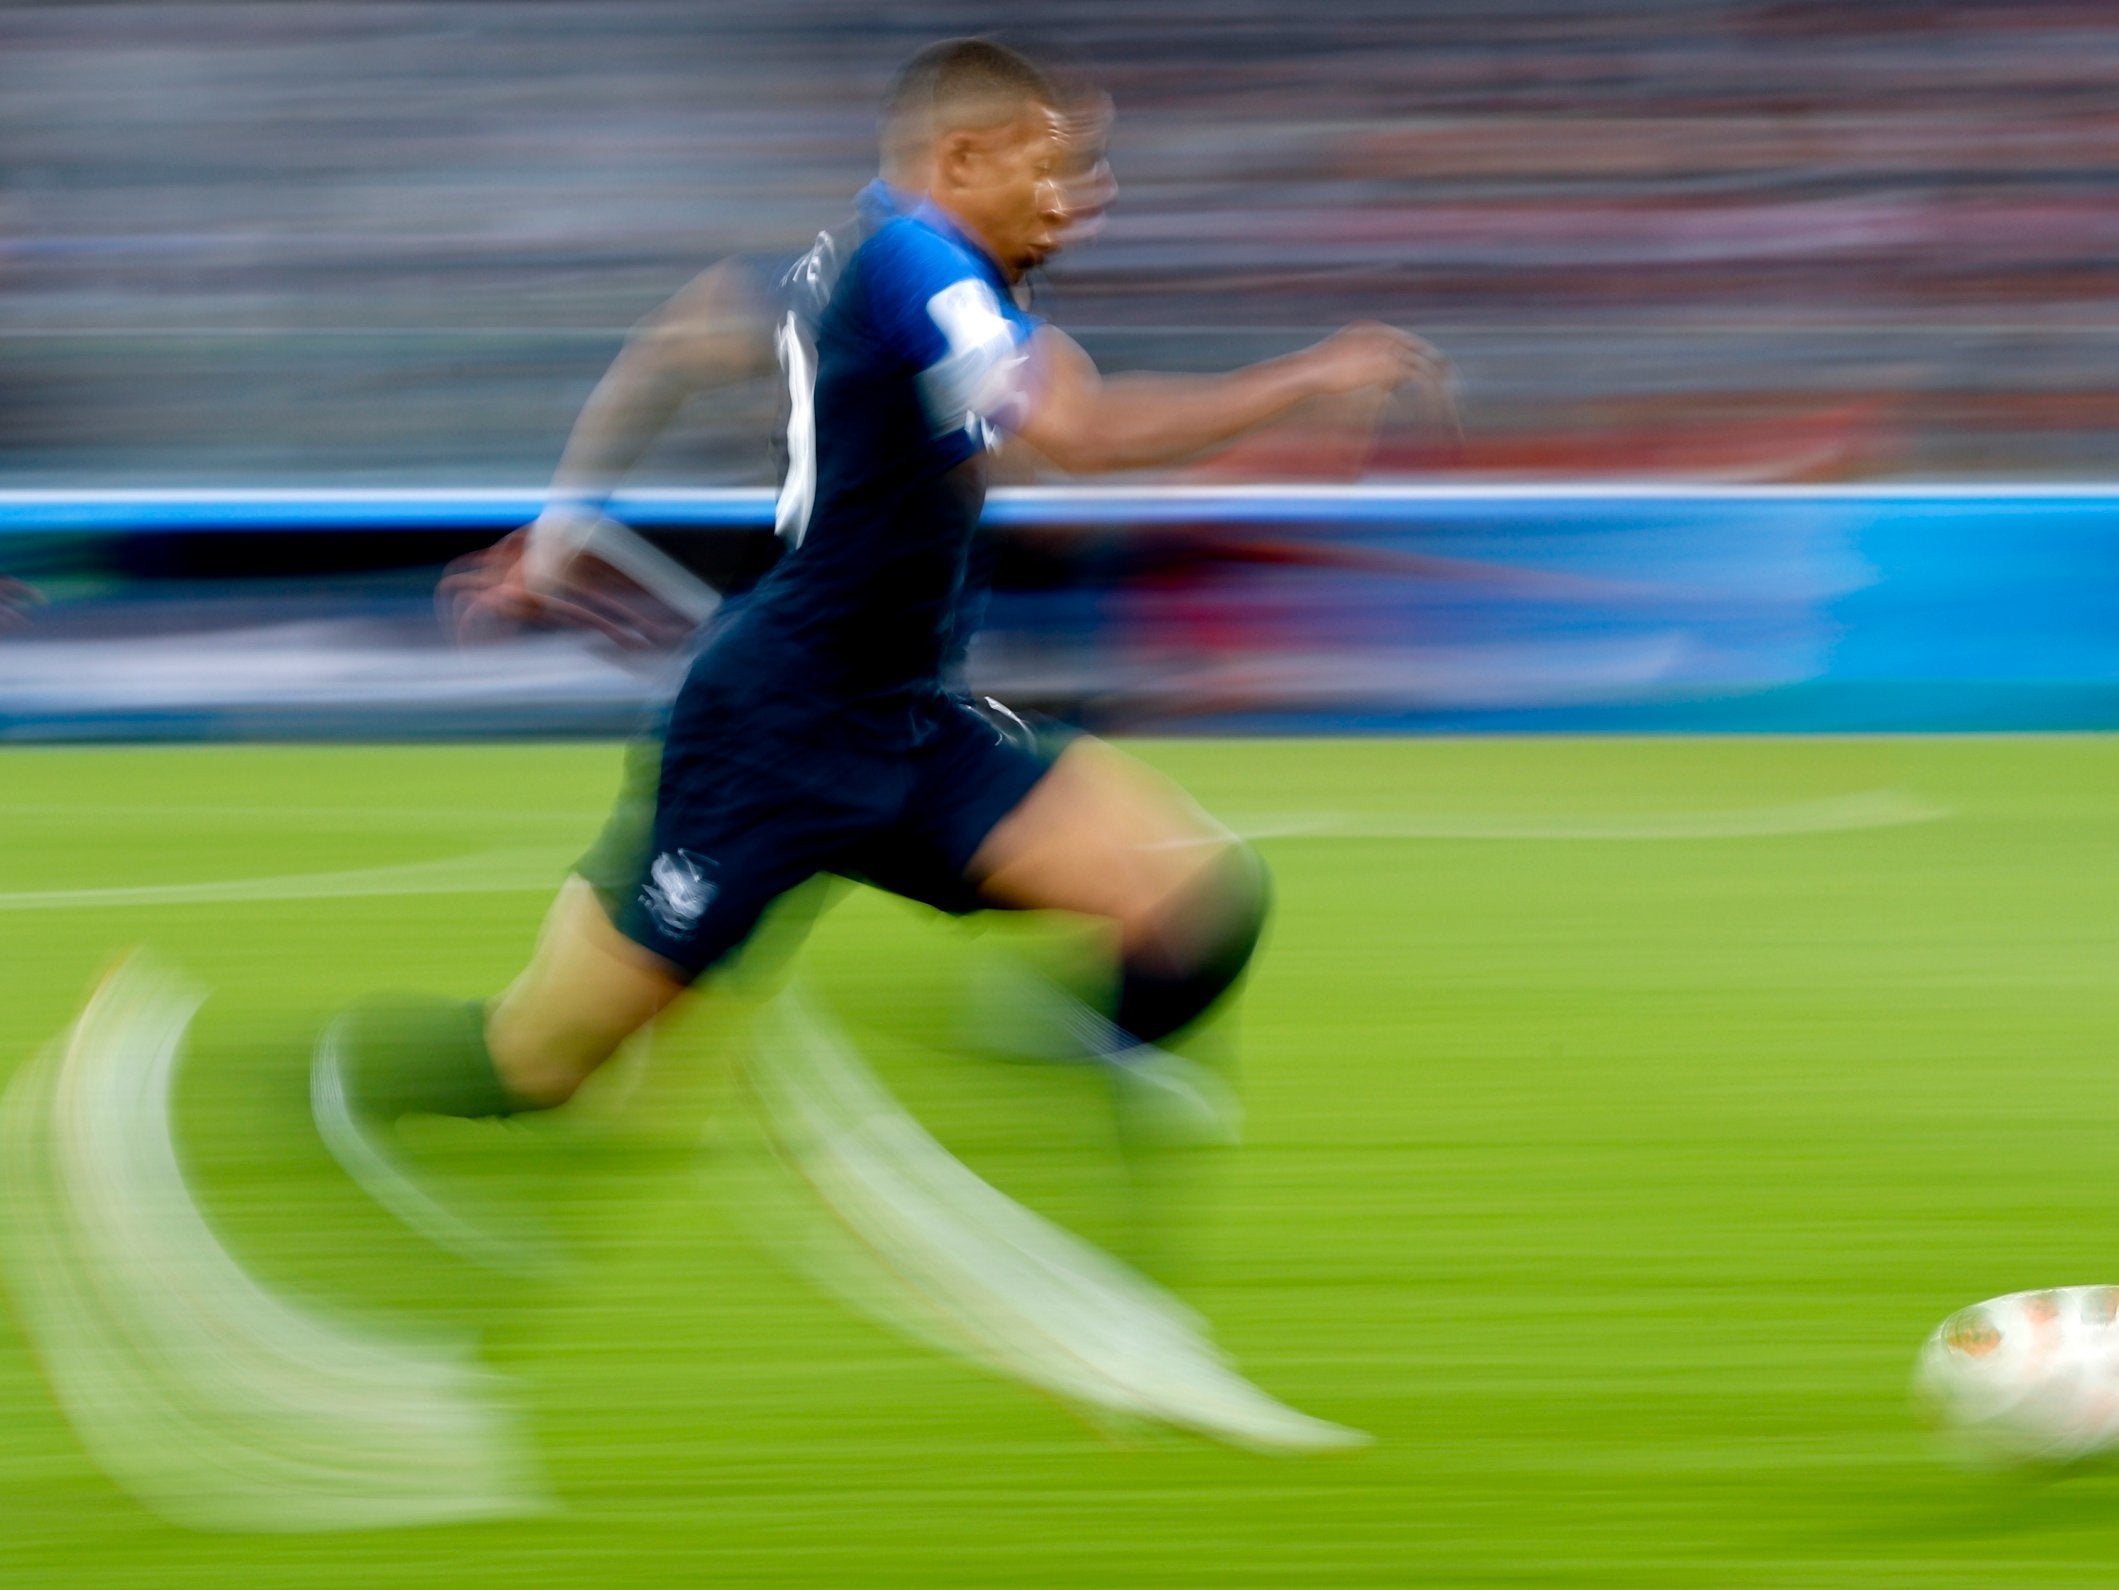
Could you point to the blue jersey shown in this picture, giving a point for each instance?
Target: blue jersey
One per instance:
(921, 360)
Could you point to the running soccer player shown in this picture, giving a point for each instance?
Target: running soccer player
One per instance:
(814, 732)
(575, 566)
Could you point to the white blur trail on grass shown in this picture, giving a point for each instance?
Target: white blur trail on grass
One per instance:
(529, 869)
(1833, 814)
(918, 1241)
(484, 872)
(210, 1399)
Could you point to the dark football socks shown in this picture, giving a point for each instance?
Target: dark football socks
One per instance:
(407, 1054)
(1165, 987)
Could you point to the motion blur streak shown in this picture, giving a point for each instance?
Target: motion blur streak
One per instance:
(942, 1255)
(211, 1399)
(1678, 728)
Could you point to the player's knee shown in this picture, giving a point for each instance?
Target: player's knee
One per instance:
(1203, 939)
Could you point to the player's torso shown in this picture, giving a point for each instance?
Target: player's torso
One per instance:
(869, 603)
(800, 292)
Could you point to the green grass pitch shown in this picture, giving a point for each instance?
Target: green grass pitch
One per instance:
(1622, 1114)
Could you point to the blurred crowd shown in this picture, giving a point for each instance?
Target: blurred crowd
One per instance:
(292, 240)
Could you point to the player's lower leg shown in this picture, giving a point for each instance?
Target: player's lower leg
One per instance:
(1177, 965)
(389, 1057)
(1170, 980)
(1103, 837)
(585, 992)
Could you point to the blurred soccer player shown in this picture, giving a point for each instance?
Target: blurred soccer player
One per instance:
(577, 567)
(739, 319)
(815, 733)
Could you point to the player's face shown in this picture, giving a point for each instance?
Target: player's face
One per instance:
(1085, 173)
(1018, 200)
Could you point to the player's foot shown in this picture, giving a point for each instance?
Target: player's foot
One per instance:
(1169, 1101)
(1227, 1408)
(917, 1239)
(361, 1134)
(1162, 1099)
(209, 1395)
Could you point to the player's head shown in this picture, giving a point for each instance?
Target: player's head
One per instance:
(1085, 166)
(906, 132)
(996, 137)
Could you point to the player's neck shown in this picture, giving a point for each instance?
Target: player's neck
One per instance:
(968, 229)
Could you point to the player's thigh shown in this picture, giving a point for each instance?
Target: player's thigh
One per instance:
(733, 830)
(1102, 835)
(587, 987)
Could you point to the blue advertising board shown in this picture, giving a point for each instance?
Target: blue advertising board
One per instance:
(1223, 609)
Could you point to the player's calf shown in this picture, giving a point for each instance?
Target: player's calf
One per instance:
(1180, 955)
(1102, 836)
(385, 1058)
(1181, 958)
(410, 1054)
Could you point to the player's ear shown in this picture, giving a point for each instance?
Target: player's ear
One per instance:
(957, 154)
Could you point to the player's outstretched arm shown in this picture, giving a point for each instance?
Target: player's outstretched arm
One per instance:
(715, 332)
(1085, 424)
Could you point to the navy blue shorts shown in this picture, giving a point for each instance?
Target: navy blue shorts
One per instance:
(754, 800)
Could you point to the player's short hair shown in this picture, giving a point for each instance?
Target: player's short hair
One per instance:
(960, 83)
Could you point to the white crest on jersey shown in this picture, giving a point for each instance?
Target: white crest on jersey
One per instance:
(678, 890)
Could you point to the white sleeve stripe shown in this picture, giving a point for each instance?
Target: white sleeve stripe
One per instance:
(979, 373)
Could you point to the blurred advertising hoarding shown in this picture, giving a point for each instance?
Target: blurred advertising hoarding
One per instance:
(1199, 609)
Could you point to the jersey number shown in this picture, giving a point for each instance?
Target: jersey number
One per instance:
(799, 490)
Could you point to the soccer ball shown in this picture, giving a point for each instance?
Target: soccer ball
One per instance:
(2031, 1378)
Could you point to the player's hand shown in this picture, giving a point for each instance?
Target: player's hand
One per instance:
(1367, 364)
(501, 591)
(16, 599)
(1369, 356)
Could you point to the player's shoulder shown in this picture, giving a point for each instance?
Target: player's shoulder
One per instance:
(804, 284)
(909, 253)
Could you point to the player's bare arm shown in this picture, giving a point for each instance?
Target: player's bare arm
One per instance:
(1011, 185)
(1086, 424)
(714, 333)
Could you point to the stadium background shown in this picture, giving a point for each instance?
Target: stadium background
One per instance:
(392, 243)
